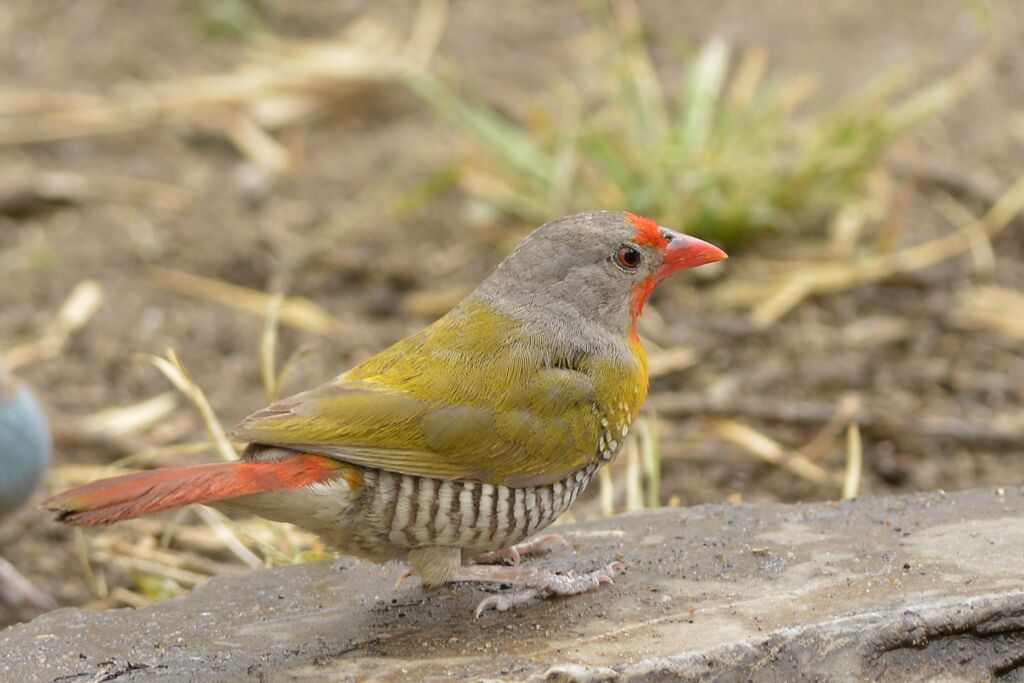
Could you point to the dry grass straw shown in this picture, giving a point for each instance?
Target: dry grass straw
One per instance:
(788, 285)
(634, 479)
(142, 548)
(650, 456)
(131, 419)
(280, 84)
(802, 462)
(79, 307)
(172, 368)
(850, 406)
(22, 186)
(271, 378)
(854, 462)
(268, 349)
(997, 309)
(229, 538)
(15, 589)
(295, 312)
(772, 452)
(633, 476)
(606, 486)
(668, 361)
(222, 526)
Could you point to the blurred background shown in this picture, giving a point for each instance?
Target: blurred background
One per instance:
(208, 203)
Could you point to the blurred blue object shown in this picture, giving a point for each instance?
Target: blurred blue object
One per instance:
(25, 446)
(24, 443)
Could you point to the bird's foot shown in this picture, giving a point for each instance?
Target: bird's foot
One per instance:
(15, 589)
(510, 555)
(406, 574)
(513, 553)
(533, 582)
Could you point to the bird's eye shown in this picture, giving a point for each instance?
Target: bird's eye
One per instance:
(627, 257)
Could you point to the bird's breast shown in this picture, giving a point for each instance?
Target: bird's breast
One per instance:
(620, 392)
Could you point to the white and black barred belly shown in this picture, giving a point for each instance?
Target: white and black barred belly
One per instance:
(399, 512)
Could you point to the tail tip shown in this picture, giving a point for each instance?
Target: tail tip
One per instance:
(66, 510)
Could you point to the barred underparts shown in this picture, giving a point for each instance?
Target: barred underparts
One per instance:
(401, 512)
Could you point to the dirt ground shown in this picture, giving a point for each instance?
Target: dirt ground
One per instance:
(896, 344)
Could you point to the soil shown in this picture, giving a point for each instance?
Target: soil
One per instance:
(894, 343)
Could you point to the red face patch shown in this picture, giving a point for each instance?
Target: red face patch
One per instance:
(647, 231)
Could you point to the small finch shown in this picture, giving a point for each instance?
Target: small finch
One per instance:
(454, 447)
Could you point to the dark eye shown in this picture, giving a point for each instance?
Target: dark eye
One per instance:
(627, 257)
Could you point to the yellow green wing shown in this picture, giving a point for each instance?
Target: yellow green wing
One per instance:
(468, 397)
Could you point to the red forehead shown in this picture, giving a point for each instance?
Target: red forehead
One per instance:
(647, 231)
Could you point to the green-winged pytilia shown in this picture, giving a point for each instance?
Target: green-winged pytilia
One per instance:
(454, 447)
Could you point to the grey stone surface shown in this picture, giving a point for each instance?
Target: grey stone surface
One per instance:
(909, 588)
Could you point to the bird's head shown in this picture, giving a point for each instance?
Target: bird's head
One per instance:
(601, 266)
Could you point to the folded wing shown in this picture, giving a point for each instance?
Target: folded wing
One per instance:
(498, 410)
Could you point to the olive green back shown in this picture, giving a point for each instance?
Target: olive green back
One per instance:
(470, 397)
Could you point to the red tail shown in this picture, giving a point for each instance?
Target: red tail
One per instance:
(110, 500)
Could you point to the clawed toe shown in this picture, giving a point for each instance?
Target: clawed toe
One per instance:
(545, 584)
(514, 554)
(510, 555)
(500, 603)
(406, 574)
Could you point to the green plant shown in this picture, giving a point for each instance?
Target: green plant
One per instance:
(226, 19)
(729, 155)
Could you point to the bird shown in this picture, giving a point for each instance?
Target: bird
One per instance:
(453, 448)
(25, 446)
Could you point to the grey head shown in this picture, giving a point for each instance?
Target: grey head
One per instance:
(589, 274)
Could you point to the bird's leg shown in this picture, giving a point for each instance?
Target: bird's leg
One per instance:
(435, 565)
(15, 589)
(534, 582)
(406, 574)
(513, 553)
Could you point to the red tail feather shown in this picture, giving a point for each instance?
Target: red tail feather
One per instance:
(133, 495)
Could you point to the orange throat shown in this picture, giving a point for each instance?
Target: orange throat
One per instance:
(639, 296)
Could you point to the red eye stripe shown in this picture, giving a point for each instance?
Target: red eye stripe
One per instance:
(647, 231)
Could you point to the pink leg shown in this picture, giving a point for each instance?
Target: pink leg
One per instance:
(406, 574)
(512, 554)
(535, 582)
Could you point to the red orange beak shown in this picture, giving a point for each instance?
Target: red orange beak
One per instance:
(683, 251)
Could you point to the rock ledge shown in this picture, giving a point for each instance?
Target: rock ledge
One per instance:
(905, 588)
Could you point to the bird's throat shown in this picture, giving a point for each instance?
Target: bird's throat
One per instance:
(637, 299)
